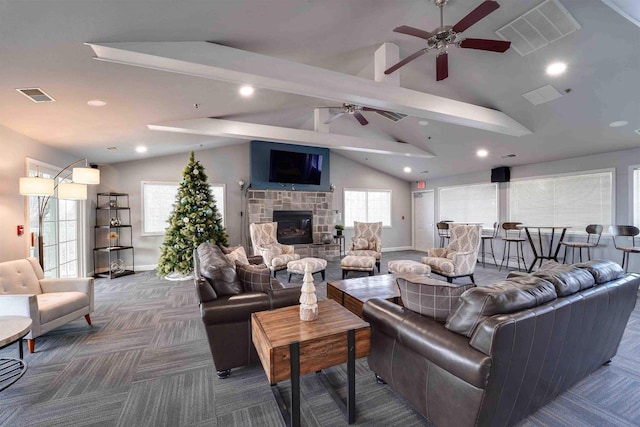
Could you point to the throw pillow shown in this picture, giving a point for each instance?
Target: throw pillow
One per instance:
(602, 270)
(254, 278)
(360, 244)
(218, 270)
(237, 254)
(372, 244)
(429, 297)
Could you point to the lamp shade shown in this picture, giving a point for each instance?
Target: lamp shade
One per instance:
(72, 191)
(86, 176)
(35, 186)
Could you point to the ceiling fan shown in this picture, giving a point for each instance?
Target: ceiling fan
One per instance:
(355, 111)
(446, 35)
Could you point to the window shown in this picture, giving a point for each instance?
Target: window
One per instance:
(469, 203)
(635, 186)
(157, 203)
(367, 206)
(575, 200)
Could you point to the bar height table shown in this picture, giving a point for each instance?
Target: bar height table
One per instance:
(539, 251)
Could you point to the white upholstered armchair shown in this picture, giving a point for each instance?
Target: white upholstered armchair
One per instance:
(48, 302)
(367, 240)
(265, 243)
(459, 258)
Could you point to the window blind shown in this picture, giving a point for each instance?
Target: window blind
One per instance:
(469, 203)
(367, 206)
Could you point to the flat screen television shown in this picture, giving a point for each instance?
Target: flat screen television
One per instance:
(295, 167)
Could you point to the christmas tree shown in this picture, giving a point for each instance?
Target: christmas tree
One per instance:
(194, 219)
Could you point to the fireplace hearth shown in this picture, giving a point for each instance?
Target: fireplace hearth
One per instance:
(294, 226)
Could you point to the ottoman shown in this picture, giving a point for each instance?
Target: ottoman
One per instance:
(408, 266)
(298, 266)
(357, 263)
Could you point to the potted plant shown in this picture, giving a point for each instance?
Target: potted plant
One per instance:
(339, 228)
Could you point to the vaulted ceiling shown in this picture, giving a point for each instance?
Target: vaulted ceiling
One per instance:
(43, 44)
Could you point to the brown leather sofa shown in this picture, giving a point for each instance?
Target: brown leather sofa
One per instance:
(226, 307)
(505, 349)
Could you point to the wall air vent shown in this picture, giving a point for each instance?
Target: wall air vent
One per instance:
(394, 117)
(544, 24)
(541, 95)
(36, 94)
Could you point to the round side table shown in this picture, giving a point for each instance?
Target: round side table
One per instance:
(12, 329)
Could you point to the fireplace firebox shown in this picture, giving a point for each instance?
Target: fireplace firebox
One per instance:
(294, 226)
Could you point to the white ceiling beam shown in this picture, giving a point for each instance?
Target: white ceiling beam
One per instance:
(386, 55)
(213, 61)
(250, 131)
(320, 116)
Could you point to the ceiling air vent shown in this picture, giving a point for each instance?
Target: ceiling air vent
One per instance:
(36, 94)
(544, 24)
(394, 117)
(541, 95)
(112, 149)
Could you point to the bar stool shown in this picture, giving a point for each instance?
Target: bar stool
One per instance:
(490, 238)
(594, 231)
(513, 235)
(443, 231)
(625, 231)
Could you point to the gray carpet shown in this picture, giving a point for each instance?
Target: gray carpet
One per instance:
(145, 362)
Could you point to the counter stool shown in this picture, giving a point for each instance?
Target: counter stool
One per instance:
(625, 231)
(490, 237)
(357, 263)
(513, 235)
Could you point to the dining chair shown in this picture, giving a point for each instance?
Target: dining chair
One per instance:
(594, 231)
(489, 237)
(629, 232)
(513, 236)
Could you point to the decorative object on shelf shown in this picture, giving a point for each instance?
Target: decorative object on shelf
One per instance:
(44, 188)
(115, 222)
(332, 187)
(308, 298)
(117, 266)
(113, 203)
(339, 228)
(327, 238)
(113, 238)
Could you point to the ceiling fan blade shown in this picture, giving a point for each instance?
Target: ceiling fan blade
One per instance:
(333, 118)
(360, 118)
(484, 44)
(442, 66)
(485, 8)
(411, 31)
(405, 61)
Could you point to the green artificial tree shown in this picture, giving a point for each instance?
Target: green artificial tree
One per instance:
(194, 219)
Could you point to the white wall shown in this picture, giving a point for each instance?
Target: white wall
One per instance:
(620, 161)
(15, 148)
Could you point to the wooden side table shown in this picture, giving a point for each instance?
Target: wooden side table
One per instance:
(289, 347)
(12, 329)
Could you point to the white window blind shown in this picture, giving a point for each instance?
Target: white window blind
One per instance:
(157, 203)
(367, 206)
(569, 200)
(636, 196)
(469, 203)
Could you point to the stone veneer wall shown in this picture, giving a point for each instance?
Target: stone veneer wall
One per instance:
(262, 203)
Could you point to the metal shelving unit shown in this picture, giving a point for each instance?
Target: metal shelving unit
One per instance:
(113, 236)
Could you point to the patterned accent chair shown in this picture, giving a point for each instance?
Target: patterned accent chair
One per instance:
(459, 258)
(367, 240)
(265, 243)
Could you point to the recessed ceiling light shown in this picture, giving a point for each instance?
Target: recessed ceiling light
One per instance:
(96, 103)
(482, 153)
(556, 68)
(141, 149)
(423, 123)
(407, 169)
(618, 124)
(246, 90)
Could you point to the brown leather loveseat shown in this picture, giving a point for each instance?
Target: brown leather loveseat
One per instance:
(226, 304)
(505, 349)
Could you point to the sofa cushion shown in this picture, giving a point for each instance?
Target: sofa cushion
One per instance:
(429, 297)
(254, 278)
(567, 279)
(218, 270)
(479, 303)
(55, 305)
(602, 270)
(18, 277)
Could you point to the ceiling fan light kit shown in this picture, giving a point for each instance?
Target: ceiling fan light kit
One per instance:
(447, 35)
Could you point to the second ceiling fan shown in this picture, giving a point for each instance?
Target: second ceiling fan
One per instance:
(446, 35)
(355, 111)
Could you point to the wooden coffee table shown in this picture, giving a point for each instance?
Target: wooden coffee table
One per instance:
(289, 347)
(353, 293)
